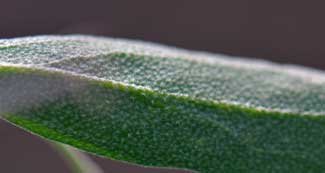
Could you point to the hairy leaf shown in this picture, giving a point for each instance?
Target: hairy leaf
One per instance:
(161, 106)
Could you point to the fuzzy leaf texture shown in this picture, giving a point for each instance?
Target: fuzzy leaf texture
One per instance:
(161, 106)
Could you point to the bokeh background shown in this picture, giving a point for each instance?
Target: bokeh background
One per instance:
(287, 31)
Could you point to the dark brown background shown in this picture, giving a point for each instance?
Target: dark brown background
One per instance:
(287, 31)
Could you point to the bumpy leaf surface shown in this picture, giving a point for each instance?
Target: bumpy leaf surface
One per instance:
(161, 106)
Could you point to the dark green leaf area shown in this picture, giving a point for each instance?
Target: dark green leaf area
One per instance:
(156, 129)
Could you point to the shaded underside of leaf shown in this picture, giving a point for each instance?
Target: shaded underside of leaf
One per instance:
(157, 106)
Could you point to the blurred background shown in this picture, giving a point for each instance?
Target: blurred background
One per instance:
(287, 31)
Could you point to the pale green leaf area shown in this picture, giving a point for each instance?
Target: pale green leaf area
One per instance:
(161, 106)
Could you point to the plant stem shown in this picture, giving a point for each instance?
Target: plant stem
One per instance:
(77, 161)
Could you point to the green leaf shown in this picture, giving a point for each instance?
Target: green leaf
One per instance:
(161, 106)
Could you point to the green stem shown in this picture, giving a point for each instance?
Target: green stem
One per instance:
(77, 161)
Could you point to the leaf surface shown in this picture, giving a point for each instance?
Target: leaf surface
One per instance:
(155, 105)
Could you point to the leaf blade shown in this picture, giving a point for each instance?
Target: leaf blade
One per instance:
(135, 116)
